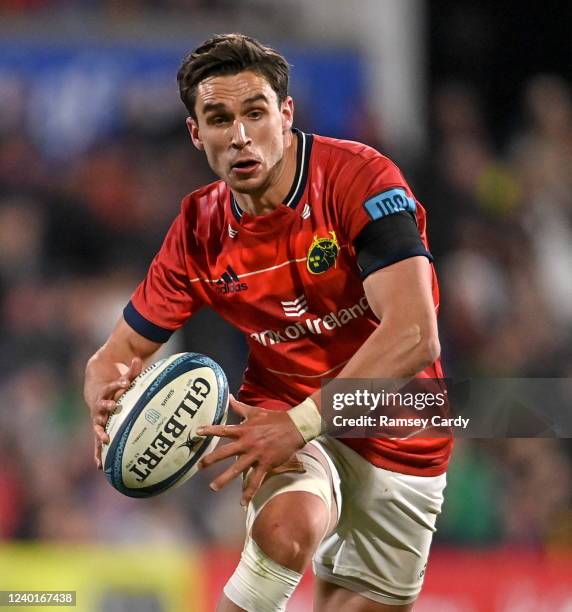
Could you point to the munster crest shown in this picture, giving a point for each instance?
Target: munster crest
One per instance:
(322, 254)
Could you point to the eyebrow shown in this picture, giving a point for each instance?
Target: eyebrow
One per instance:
(211, 107)
(255, 98)
(219, 106)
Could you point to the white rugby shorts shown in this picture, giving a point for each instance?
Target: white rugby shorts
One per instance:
(386, 520)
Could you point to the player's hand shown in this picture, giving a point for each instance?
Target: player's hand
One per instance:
(263, 441)
(101, 400)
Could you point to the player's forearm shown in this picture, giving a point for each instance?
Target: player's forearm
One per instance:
(407, 350)
(390, 352)
(114, 358)
(105, 365)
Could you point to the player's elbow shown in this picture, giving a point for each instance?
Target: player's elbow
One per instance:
(431, 350)
(427, 347)
(420, 347)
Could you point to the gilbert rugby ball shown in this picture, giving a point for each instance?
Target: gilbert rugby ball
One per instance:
(153, 444)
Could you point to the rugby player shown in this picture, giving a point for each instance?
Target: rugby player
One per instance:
(305, 244)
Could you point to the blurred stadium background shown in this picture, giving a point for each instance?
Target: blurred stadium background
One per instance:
(472, 99)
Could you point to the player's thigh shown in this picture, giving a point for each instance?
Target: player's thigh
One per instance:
(380, 546)
(330, 597)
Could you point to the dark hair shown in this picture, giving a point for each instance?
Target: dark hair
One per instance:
(231, 54)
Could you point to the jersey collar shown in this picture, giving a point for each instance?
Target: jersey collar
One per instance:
(300, 178)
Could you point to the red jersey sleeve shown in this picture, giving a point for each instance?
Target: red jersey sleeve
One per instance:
(370, 189)
(378, 213)
(165, 299)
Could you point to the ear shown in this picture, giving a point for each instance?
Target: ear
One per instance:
(287, 110)
(193, 128)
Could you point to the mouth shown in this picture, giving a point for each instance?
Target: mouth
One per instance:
(244, 167)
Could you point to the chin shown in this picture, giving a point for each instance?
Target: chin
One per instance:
(248, 186)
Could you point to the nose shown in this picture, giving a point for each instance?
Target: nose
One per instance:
(239, 137)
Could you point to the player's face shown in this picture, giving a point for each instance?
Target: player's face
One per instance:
(242, 130)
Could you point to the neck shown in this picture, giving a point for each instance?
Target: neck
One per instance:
(272, 195)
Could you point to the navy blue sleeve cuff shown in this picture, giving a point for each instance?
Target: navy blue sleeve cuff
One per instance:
(144, 327)
(394, 258)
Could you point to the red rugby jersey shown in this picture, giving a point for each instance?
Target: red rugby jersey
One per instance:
(289, 280)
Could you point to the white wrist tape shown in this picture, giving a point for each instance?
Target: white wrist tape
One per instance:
(307, 419)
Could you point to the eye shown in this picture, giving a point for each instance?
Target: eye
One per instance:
(255, 114)
(218, 120)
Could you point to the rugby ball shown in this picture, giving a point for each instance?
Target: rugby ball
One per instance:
(153, 444)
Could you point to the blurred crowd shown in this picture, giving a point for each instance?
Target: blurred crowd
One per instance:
(111, 6)
(121, 12)
(77, 234)
(500, 217)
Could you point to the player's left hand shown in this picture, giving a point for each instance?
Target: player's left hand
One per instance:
(263, 441)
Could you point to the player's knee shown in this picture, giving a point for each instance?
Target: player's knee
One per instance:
(290, 527)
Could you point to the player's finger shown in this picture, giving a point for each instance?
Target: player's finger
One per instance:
(244, 410)
(97, 452)
(111, 388)
(101, 433)
(223, 431)
(105, 406)
(135, 368)
(119, 393)
(252, 484)
(232, 472)
(221, 453)
(100, 420)
(103, 410)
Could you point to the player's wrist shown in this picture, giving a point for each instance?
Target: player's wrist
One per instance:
(307, 419)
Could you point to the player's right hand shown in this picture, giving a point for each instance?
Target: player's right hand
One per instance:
(101, 401)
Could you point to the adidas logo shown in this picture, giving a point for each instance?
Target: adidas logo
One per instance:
(307, 211)
(232, 232)
(295, 308)
(229, 282)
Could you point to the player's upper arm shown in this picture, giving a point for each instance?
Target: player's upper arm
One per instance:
(385, 225)
(401, 297)
(387, 240)
(378, 213)
(166, 298)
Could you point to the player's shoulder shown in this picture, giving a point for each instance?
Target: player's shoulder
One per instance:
(348, 161)
(348, 151)
(206, 199)
(205, 206)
